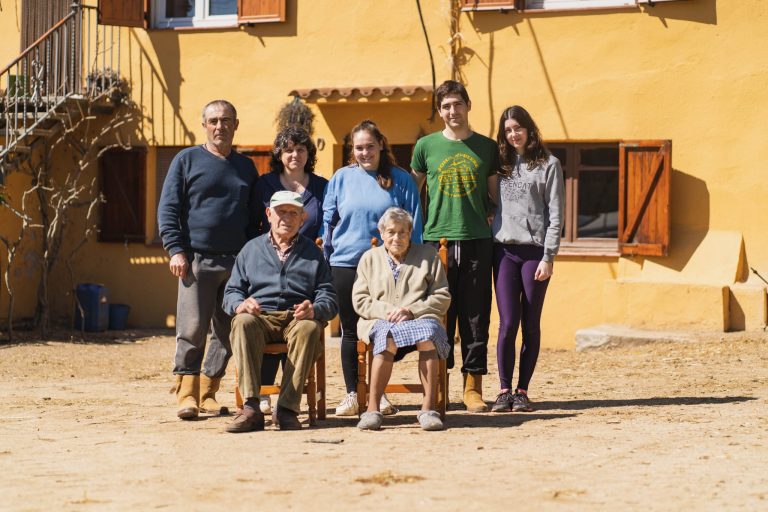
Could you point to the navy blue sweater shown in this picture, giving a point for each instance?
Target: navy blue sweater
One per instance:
(277, 286)
(312, 198)
(208, 204)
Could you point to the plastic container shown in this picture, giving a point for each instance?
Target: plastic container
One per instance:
(118, 316)
(95, 303)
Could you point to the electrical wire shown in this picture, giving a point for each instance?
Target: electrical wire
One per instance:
(431, 60)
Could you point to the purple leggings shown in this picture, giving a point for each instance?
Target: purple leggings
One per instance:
(519, 297)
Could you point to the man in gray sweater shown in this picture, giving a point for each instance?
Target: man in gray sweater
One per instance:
(281, 290)
(208, 209)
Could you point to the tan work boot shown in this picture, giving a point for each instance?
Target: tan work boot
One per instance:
(187, 389)
(473, 393)
(208, 389)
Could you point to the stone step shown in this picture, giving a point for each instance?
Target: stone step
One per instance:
(608, 335)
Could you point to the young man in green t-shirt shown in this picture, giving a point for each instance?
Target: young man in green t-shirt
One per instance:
(459, 167)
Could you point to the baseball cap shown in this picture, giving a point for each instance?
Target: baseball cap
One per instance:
(285, 197)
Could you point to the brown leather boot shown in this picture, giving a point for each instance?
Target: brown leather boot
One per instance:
(473, 393)
(208, 389)
(187, 389)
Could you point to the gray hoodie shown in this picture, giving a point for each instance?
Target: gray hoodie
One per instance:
(530, 209)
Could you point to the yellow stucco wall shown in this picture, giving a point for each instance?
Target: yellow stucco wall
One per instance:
(10, 30)
(690, 71)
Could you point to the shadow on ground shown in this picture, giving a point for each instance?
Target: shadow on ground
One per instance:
(453, 420)
(579, 405)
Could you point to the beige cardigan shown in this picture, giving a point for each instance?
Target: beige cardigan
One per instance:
(422, 287)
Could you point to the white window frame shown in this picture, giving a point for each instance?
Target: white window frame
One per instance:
(200, 19)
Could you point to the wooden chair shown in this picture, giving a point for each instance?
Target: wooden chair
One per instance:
(365, 361)
(315, 385)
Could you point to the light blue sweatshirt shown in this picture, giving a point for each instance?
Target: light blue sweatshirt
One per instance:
(354, 203)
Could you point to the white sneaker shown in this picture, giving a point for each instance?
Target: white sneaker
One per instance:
(348, 406)
(386, 407)
(265, 404)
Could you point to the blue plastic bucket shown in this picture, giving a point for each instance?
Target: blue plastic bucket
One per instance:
(118, 316)
(95, 303)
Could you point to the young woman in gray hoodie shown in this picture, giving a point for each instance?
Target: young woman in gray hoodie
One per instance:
(526, 232)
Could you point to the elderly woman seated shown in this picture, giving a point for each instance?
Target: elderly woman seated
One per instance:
(401, 294)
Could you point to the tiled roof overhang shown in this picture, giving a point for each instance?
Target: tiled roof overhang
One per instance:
(365, 94)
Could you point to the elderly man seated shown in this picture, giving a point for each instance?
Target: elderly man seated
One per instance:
(280, 289)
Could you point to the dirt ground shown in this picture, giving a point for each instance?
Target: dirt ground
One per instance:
(91, 426)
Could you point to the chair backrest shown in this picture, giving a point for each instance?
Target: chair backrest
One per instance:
(442, 252)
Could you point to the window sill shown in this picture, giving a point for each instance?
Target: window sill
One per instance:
(560, 10)
(193, 28)
(595, 247)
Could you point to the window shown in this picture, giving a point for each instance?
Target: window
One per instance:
(616, 197)
(122, 178)
(591, 173)
(215, 13)
(195, 13)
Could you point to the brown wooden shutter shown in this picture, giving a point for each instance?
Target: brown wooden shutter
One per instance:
(38, 16)
(260, 11)
(488, 5)
(122, 177)
(124, 13)
(259, 155)
(163, 157)
(645, 170)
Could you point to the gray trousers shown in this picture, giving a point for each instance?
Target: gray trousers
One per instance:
(198, 307)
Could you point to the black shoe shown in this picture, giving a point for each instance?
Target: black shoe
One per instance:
(286, 419)
(503, 402)
(520, 403)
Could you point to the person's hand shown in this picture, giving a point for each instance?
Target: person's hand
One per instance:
(179, 265)
(543, 271)
(249, 305)
(399, 314)
(304, 311)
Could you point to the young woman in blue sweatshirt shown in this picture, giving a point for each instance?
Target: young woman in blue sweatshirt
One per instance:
(356, 198)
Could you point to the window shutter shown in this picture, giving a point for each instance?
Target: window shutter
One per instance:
(260, 11)
(122, 175)
(645, 170)
(488, 5)
(163, 157)
(259, 155)
(123, 13)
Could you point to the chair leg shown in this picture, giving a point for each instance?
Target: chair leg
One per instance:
(442, 388)
(320, 365)
(238, 396)
(362, 382)
(312, 396)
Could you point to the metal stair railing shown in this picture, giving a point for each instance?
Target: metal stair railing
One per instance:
(75, 59)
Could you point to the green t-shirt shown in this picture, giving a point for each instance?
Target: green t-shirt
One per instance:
(457, 184)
